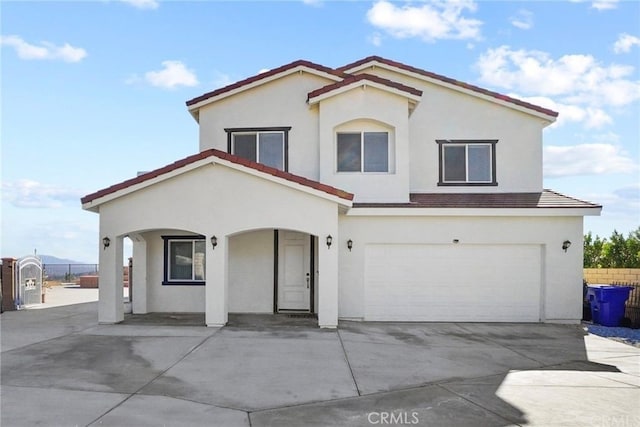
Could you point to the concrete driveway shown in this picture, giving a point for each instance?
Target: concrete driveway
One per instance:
(60, 368)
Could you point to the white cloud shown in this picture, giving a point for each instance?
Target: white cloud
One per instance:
(316, 3)
(622, 204)
(142, 4)
(625, 42)
(582, 87)
(45, 50)
(27, 193)
(537, 72)
(221, 80)
(376, 39)
(430, 21)
(586, 159)
(604, 4)
(592, 118)
(173, 74)
(523, 19)
(631, 192)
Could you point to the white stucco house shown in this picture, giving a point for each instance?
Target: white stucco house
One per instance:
(375, 191)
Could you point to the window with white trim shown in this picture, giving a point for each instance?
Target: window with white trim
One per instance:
(184, 260)
(467, 162)
(362, 151)
(268, 146)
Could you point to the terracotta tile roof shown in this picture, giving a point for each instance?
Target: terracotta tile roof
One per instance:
(264, 75)
(448, 80)
(358, 77)
(543, 200)
(224, 156)
(348, 78)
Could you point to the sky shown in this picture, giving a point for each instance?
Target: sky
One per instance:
(93, 92)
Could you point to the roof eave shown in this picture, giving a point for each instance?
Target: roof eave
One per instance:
(92, 204)
(550, 118)
(193, 108)
(476, 211)
(363, 83)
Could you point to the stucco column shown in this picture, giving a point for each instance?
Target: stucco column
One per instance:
(328, 281)
(139, 283)
(111, 305)
(216, 278)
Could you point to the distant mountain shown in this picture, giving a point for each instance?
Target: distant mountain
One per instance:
(49, 259)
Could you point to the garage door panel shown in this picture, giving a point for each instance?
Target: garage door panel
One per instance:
(452, 282)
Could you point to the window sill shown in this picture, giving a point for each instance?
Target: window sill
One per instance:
(467, 184)
(363, 173)
(183, 283)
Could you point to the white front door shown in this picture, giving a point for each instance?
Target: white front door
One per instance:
(294, 272)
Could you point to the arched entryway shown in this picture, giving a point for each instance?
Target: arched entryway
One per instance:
(273, 271)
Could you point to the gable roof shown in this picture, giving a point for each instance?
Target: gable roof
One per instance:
(343, 77)
(260, 78)
(545, 199)
(360, 79)
(373, 60)
(213, 154)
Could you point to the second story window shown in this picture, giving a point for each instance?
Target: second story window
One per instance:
(467, 162)
(268, 146)
(363, 152)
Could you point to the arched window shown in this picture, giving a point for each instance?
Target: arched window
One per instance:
(364, 146)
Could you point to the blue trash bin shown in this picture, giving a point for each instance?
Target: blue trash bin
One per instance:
(607, 303)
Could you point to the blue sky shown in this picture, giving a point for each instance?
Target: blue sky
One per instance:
(93, 92)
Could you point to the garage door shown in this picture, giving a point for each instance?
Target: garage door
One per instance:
(475, 283)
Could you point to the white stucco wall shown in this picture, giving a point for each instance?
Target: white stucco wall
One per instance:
(251, 272)
(561, 275)
(441, 114)
(168, 298)
(279, 103)
(367, 108)
(221, 201)
(448, 114)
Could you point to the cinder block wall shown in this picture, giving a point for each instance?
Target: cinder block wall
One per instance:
(611, 275)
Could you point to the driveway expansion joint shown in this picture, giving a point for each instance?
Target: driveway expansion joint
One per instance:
(346, 358)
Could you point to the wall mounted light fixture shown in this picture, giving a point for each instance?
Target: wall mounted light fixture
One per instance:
(349, 244)
(565, 245)
(329, 241)
(214, 242)
(105, 242)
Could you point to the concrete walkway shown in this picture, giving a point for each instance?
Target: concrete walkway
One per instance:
(60, 368)
(57, 296)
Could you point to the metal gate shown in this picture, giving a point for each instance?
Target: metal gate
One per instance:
(29, 281)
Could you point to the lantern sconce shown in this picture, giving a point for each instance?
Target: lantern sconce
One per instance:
(565, 245)
(349, 244)
(105, 242)
(329, 241)
(214, 242)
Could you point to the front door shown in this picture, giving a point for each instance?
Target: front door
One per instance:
(294, 272)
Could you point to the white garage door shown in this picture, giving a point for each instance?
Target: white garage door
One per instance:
(482, 283)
